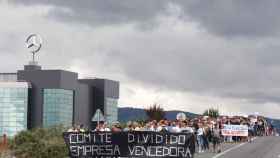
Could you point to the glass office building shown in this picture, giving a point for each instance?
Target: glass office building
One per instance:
(111, 109)
(57, 97)
(8, 77)
(14, 107)
(58, 107)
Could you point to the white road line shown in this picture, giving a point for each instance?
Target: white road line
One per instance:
(226, 151)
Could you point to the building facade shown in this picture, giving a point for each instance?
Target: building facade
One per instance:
(53, 97)
(13, 107)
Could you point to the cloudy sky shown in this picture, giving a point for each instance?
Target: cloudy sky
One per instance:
(183, 54)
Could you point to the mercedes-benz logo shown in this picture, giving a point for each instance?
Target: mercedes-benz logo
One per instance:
(34, 43)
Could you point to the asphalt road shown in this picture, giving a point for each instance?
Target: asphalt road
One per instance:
(263, 147)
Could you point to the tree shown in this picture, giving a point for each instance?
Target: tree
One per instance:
(39, 143)
(155, 112)
(212, 112)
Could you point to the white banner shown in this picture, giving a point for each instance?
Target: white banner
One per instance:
(235, 130)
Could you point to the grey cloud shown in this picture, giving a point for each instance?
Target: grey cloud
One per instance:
(104, 12)
(10, 43)
(256, 97)
(231, 18)
(210, 65)
(224, 71)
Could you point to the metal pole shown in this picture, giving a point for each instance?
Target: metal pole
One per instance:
(33, 57)
(98, 118)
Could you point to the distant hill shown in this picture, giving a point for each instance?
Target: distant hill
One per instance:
(131, 114)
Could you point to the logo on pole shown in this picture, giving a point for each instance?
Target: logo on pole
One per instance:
(34, 44)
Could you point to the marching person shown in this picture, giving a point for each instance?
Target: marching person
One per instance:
(250, 132)
(216, 138)
(129, 127)
(200, 138)
(116, 127)
(206, 133)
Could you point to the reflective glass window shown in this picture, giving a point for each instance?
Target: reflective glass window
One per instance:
(58, 107)
(13, 110)
(111, 109)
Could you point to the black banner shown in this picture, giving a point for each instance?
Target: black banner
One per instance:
(130, 144)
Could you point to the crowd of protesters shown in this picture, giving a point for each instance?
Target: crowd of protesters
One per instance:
(206, 129)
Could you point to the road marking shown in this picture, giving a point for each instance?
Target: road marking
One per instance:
(226, 151)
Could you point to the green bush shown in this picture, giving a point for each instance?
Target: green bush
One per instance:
(39, 143)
